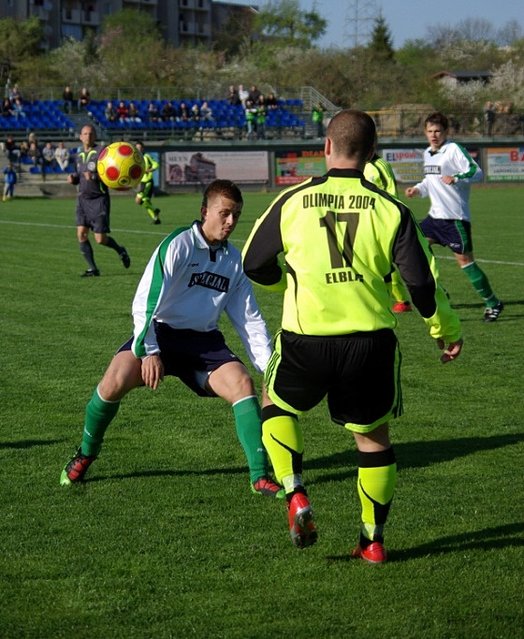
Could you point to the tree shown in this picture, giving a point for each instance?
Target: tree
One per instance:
(381, 44)
(284, 24)
(19, 41)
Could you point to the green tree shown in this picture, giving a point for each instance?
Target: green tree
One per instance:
(19, 41)
(381, 44)
(284, 23)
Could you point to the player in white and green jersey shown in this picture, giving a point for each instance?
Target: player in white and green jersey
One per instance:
(449, 170)
(340, 237)
(193, 277)
(380, 172)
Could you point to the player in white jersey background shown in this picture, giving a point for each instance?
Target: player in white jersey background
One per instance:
(449, 171)
(192, 278)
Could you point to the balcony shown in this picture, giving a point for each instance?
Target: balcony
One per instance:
(78, 16)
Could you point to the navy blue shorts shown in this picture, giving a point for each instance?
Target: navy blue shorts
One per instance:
(453, 233)
(190, 355)
(94, 213)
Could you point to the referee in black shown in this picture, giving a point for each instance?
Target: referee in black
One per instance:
(93, 203)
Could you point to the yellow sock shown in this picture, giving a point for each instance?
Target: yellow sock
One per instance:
(283, 440)
(377, 474)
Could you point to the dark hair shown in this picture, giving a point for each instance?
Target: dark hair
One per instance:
(226, 188)
(352, 134)
(437, 118)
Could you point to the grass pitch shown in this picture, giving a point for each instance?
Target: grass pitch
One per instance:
(166, 540)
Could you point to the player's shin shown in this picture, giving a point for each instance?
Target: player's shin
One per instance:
(377, 474)
(282, 437)
(249, 433)
(98, 415)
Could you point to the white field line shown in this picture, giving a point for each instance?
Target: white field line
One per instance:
(163, 234)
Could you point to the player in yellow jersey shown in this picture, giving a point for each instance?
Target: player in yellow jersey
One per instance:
(146, 188)
(380, 172)
(341, 237)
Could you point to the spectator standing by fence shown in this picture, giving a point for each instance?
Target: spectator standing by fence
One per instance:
(84, 99)
(68, 99)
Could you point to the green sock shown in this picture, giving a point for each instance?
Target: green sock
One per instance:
(98, 416)
(480, 283)
(249, 433)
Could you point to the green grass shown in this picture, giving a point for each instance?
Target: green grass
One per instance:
(166, 540)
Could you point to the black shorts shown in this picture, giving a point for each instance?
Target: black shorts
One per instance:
(190, 355)
(359, 373)
(94, 213)
(453, 233)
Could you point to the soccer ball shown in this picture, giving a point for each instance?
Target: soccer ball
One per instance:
(120, 166)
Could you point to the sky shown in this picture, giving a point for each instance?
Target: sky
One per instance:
(406, 19)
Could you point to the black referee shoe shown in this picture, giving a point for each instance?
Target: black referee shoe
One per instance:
(91, 272)
(126, 260)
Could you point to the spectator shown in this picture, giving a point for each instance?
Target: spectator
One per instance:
(153, 114)
(271, 101)
(195, 112)
(133, 113)
(232, 97)
(185, 114)
(62, 156)
(168, 112)
(243, 94)
(68, 99)
(12, 150)
(317, 115)
(251, 119)
(84, 99)
(110, 113)
(18, 108)
(48, 158)
(261, 117)
(122, 112)
(7, 108)
(254, 94)
(206, 112)
(35, 155)
(10, 179)
(489, 118)
(14, 93)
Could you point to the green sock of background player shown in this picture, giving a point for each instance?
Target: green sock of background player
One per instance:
(480, 283)
(99, 414)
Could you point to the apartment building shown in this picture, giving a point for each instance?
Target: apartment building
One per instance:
(182, 22)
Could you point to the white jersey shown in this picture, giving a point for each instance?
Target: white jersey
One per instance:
(187, 284)
(449, 201)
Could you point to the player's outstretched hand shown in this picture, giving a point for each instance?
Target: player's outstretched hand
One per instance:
(451, 352)
(152, 371)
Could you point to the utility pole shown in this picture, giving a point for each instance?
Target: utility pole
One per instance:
(358, 25)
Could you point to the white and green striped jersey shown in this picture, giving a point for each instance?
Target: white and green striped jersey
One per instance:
(187, 284)
(449, 201)
(341, 238)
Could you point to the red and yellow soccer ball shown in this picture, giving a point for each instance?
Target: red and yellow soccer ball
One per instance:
(120, 166)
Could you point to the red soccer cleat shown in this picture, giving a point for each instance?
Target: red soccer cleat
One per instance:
(401, 307)
(301, 525)
(375, 553)
(76, 468)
